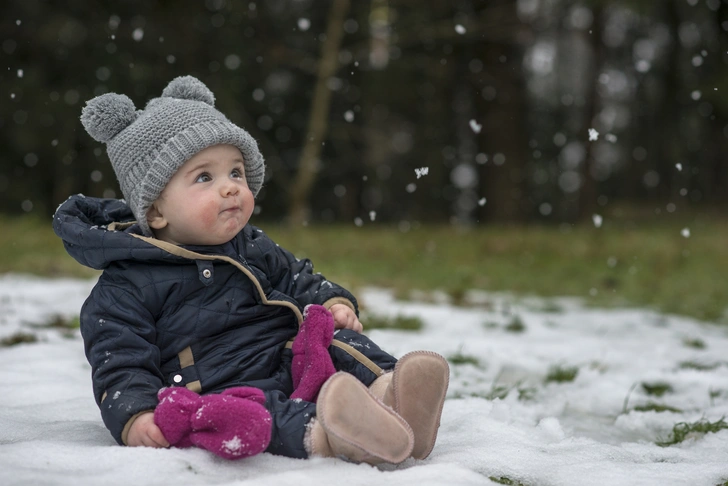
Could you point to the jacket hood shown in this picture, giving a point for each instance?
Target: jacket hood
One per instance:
(82, 223)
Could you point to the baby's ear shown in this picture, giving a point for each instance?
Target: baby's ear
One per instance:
(155, 219)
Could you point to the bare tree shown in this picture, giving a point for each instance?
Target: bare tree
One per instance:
(318, 119)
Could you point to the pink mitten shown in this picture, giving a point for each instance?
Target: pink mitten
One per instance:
(233, 424)
(312, 364)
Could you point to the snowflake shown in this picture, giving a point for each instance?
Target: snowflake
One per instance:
(423, 171)
(593, 135)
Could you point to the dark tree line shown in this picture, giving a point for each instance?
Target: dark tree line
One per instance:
(351, 100)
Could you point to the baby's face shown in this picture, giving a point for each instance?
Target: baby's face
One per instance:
(207, 201)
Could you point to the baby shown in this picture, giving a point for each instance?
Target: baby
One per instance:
(196, 305)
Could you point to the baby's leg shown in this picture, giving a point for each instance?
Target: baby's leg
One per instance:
(360, 356)
(290, 418)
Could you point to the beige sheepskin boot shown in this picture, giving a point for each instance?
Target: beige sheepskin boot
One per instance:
(416, 391)
(353, 425)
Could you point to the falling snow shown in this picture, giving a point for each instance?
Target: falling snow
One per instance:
(372, 215)
(349, 116)
(475, 126)
(593, 135)
(460, 29)
(481, 201)
(422, 171)
(685, 232)
(597, 220)
(678, 166)
(304, 24)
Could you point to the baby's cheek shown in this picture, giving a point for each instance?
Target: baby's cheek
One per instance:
(207, 216)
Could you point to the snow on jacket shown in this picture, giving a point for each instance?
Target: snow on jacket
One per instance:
(204, 317)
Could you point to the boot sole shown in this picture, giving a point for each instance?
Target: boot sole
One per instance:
(420, 384)
(370, 431)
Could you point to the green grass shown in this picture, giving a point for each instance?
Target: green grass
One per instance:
(683, 430)
(403, 323)
(695, 343)
(505, 480)
(562, 374)
(18, 338)
(656, 389)
(462, 359)
(516, 325)
(646, 263)
(656, 407)
(29, 246)
(696, 365)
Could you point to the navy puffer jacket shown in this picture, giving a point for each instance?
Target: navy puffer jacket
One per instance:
(207, 318)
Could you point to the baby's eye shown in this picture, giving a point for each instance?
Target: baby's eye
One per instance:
(204, 177)
(236, 174)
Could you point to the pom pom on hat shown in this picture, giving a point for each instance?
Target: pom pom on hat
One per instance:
(189, 88)
(105, 116)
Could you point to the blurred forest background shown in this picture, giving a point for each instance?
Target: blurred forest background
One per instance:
(554, 147)
(495, 99)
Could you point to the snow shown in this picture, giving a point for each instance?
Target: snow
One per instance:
(304, 24)
(502, 418)
(593, 135)
(597, 219)
(422, 171)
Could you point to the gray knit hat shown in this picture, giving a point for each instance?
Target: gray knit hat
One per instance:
(146, 147)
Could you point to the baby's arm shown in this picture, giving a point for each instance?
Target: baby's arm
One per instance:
(119, 335)
(144, 432)
(296, 278)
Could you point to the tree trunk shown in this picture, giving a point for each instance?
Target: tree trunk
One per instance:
(318, 119)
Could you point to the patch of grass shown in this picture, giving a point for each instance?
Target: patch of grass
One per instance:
(562, 374)
(656, 389)
(695, 343)
(656, 407)
(60, 322)
(491, 325)
(683, 430)
(505, 480)
(646, 254)
(551, 307)
(457, 295)
(462, 359)
(28, 245)
(696, 365)
(526, 394)
(516, 325)
(399, 322)
(18, 338)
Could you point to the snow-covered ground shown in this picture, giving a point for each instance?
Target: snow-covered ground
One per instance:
(503, 418)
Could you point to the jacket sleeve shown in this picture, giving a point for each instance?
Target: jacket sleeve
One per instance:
(296, 278)
(119, 336)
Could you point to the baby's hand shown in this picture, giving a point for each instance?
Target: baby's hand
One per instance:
(144, 432)
(345, 318)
